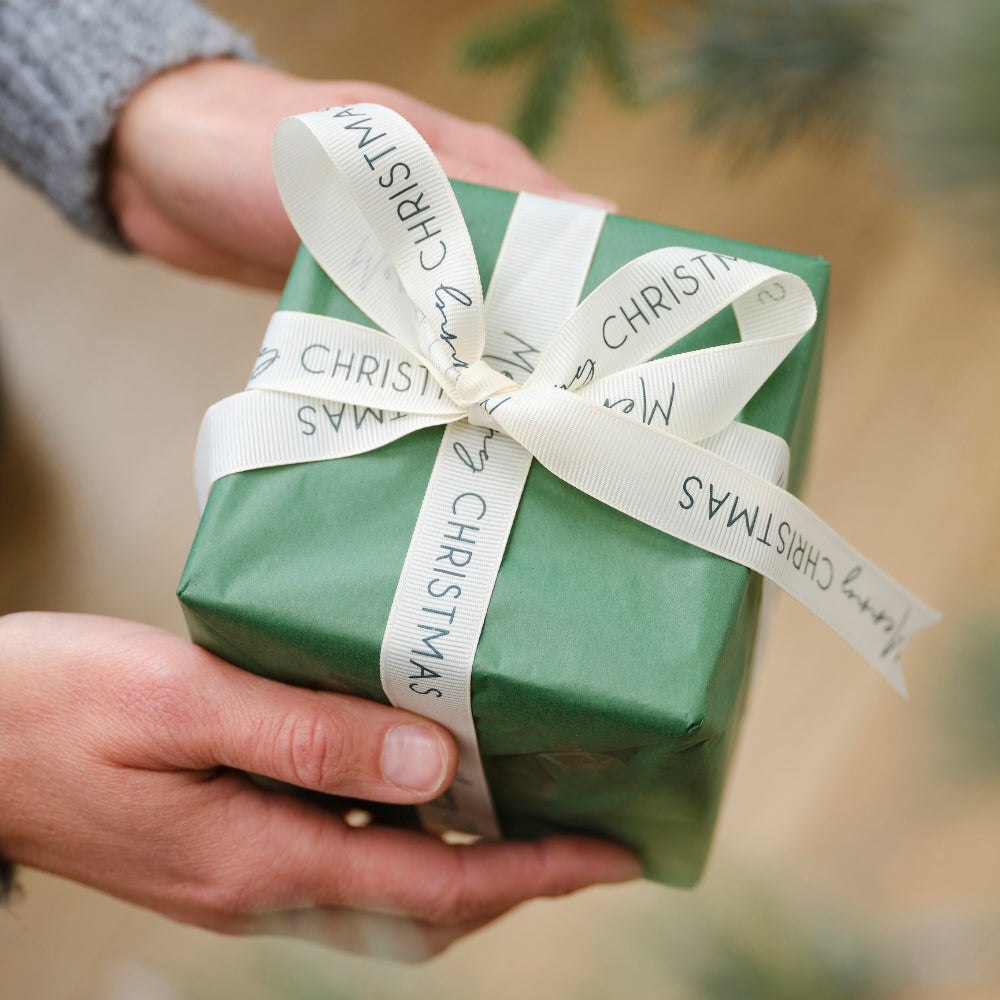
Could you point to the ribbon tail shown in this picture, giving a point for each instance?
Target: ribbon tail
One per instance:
(702, 498)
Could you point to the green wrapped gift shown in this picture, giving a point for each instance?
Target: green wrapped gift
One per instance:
(614, 661)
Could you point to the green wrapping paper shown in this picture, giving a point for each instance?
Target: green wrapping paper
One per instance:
(614, 661)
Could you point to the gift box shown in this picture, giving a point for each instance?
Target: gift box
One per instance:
(613, 664)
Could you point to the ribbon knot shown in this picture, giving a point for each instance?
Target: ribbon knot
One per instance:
(476, 385)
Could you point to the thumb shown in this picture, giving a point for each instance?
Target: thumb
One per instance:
(328, 742)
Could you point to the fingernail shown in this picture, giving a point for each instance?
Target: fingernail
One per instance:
(414, 758)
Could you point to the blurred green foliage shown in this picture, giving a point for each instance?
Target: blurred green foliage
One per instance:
(758, 73)
(972, 701)
(560, 40)
(757, 941)
(921, 75)
(762, 941)
(940, 107)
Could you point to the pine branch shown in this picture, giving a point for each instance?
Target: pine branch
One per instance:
(549, 92)
(759, 73)
(558, 40)
(506, 42)
(615, 57)
(942, 111)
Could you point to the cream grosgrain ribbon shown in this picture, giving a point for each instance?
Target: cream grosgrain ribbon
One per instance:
(525, 374)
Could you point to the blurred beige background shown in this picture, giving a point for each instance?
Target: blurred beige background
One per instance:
(859, 831)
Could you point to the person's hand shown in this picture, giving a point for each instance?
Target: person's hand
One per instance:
(190, 179)
(120, 758)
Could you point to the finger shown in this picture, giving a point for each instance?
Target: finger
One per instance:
(473, 151)
(483, 154)
(327, 742)
(313, 859)
(487, 155)
(492, 177)
(446, 884)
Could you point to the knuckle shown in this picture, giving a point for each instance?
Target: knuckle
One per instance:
(145, 682)
(154, 693)
(314, 749)
(535, 867)
(458, 900)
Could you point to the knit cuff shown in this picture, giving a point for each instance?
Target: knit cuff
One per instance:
(67, 67)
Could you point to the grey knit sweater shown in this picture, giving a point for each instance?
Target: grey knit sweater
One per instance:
(66, 69)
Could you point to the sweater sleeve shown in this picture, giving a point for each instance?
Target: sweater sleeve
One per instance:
(66, 69)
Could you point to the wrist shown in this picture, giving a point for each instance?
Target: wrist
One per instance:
(189, 172)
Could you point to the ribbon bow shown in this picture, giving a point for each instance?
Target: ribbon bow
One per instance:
(527, 373)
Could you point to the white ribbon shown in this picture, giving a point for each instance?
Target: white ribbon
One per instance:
(527, 373)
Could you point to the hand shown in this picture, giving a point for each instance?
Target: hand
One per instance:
(120, 755)
(190, 177)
